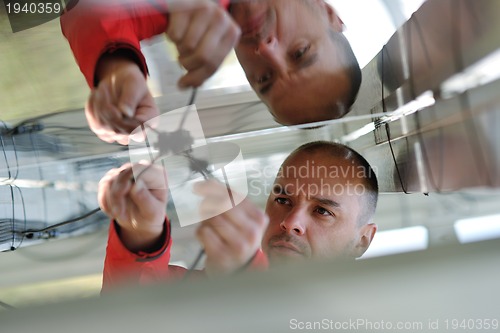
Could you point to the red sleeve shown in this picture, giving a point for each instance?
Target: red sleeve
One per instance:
(260, 262)
(122, 267)
(94, 28)
(125, 268)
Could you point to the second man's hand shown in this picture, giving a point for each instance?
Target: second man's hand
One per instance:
(121, 102)
(203, 34)
(232, 238)
(137, 207)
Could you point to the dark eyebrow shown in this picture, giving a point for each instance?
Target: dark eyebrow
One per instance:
(279, 190)
(327, 202)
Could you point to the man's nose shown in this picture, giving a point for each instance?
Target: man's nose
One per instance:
(294, 223)
(268, 49)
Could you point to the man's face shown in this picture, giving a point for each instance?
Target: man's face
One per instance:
(314, 209)
(290, 60)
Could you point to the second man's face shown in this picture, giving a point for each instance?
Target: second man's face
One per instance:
(313, 209)
(290, 60)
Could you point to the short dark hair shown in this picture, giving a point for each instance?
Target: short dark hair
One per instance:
(341, 151)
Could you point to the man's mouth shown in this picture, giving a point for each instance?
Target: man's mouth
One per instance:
(286, 248)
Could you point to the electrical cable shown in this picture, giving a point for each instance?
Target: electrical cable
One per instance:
(195, 263)
(24, 217)
(437, 187)
(195, 165)
(456, 23)
(191, 101)
(387, 128)
(92, 212)
(146, 140)
(148, 145)
(205, 173)
(10, 177)
(60, 224)
(193, 161)
(8, 225)
(16, 157)
(33, 119)
(89, 244)
(40, 174)
(13, 216)
(69, 128)
(5, 157)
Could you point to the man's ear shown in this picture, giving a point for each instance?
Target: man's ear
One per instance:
(335, 22)
(367, 233)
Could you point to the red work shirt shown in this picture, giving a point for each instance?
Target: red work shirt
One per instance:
(122, 267)
(96, 28)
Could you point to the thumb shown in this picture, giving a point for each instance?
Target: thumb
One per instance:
(126, 110)
(147, 204)
(131, 94)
